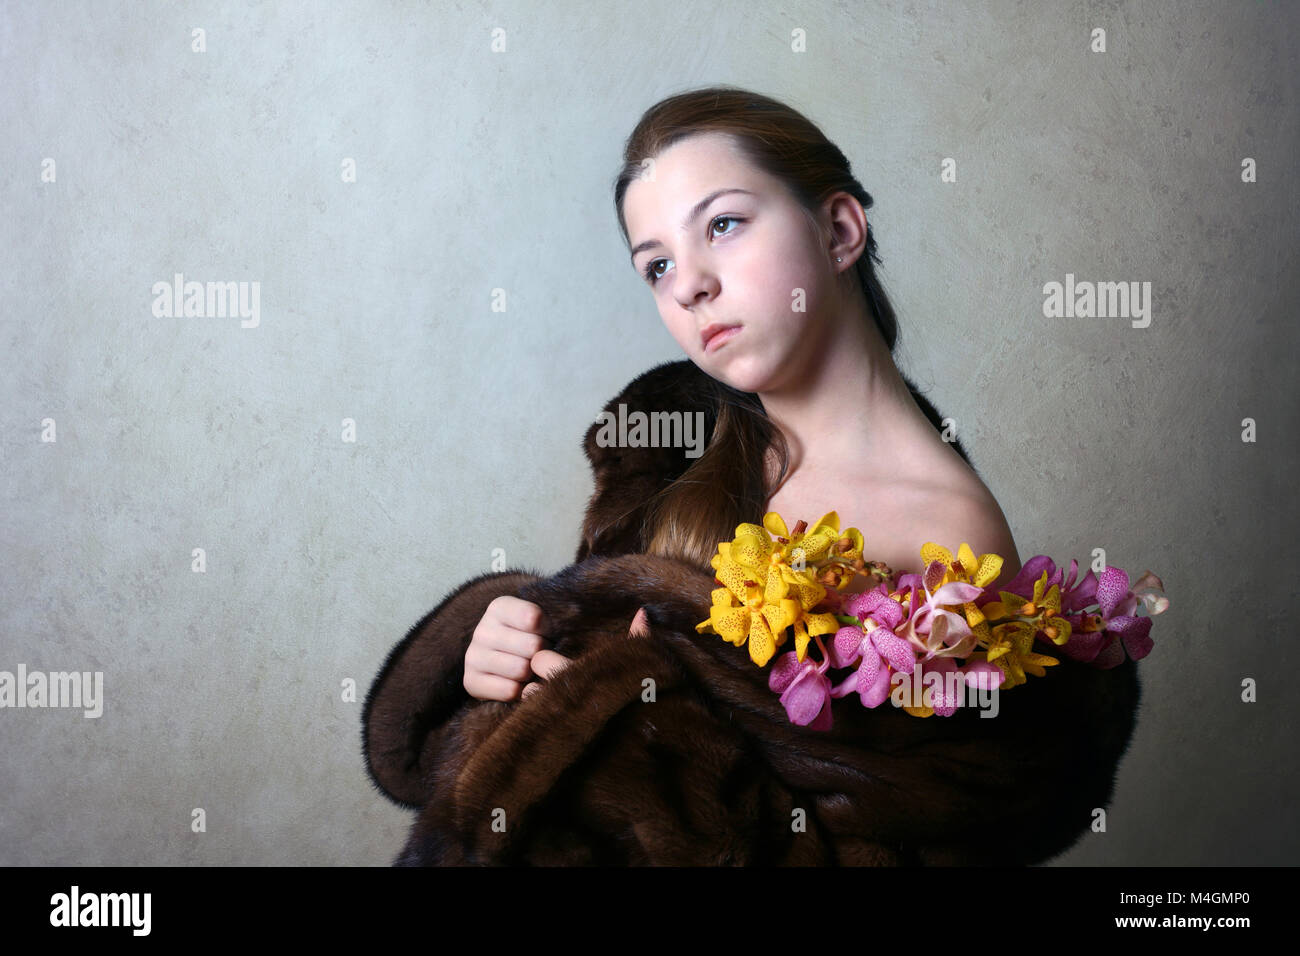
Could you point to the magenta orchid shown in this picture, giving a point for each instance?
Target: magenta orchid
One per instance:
(1117, 607)
(1100, 639)
(804, 687)
(873, 645)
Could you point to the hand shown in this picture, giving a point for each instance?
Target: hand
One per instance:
(546, 663)
(498, 661)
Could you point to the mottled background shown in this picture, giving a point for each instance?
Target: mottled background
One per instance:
(481, 170)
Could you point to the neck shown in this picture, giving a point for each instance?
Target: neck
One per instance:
(844, 405)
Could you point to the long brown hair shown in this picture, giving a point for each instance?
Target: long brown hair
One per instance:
(728, 484)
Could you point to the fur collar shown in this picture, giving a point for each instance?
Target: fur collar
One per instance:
(627, 477)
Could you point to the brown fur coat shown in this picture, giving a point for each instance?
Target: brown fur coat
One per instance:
(589, 770)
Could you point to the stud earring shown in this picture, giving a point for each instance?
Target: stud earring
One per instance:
(838, 259)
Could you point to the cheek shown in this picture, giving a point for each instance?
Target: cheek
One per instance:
(681, 327)
(794, 281)
(771, 277)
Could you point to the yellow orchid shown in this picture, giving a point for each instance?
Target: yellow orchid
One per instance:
(1012, 643)
(816, 626)
(762, 595)
(763, 625)
(1010, 648)
(1042, 612)
(837, 555)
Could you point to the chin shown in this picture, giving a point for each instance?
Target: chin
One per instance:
(740, 372)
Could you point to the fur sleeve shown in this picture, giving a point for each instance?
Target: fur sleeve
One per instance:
(420, 688)
(589, 772)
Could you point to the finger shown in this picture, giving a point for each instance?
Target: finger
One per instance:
(547, 663)
(488, 687)
(512, 666)
(510, 641)
(532, 687)
(640, 625)
(520, 614)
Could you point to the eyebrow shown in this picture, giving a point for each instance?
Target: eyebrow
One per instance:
(698, 208)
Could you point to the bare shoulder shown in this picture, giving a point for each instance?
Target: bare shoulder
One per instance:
(960, 509)
(930, 495)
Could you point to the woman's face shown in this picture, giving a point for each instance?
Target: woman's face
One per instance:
(747, 259)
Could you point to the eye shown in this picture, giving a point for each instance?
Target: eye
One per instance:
(722, 219)
(653, 277)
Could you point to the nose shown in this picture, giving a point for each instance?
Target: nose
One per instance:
(694, 282)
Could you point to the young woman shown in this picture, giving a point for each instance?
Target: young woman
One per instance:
(750, 232)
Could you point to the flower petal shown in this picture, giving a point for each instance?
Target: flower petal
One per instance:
(776, 586)
(805, 697)
(1135, 633)
(829, 520)
(762, 645)
(1150, 590)
(956, 592)
(783, 672)
(847, 646)
(801, 639)
(895, 650)
(824, 719)
(733, 578)
(731, 623)
(775, 525)
(752, 548)
(1112, 655)
(878, 692)
(931, 552)
(780, 615)
(1112, 588)
(819, 624)
(934, 575)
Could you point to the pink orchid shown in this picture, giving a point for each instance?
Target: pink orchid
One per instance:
(805, 688)
(933, 629)
(1117, 606)
(946, 700)
(1150, 592)
(880, 651)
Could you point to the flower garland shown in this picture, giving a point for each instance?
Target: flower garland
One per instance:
(946, 624)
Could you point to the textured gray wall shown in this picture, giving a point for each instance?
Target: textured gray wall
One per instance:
(479, 170)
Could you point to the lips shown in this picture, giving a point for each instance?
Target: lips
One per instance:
(714, 329)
